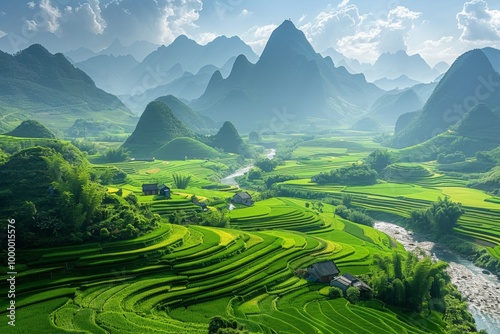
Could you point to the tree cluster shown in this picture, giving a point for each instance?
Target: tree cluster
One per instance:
(419, 285)
(457, 156)
(354, 215)
(54, 196)
(355, 174)
(440, 218)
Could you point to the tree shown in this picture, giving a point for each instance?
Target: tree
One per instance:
(347, 200)
(254, 174)
(104, 232)
(352, 294)
(266, 165)
(116, 154)
(254, 137)
(335, 292)
(397, 265)
(379, 159)
(444, 215)
(181, 181)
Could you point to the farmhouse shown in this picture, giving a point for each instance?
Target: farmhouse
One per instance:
(164, 191)
(150, 189)
(242, 198)
(347, 280)
(322, 272)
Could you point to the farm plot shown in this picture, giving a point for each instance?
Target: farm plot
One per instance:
(210, 269)
(275, 214)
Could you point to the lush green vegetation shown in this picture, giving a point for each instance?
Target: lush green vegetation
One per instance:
(239, 269)
(31, 129)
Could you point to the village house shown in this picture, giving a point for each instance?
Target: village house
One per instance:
(242, 198)
(164, 191)
(150, 189)
(322, 272)
(347, 280)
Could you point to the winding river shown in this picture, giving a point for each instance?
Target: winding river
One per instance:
(482, 291)
(229, 180)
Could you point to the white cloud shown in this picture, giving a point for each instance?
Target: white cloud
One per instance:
(343, 3)
(478, 22)
(434, 51)
(205, 37)
(2, 34)
(31, 5)
(302, 18)
(362, 36)
(245, 12)
(31, 25)
(51, 16)
(257, 36)
(176, 17)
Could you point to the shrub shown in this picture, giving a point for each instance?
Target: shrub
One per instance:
(181, 181)
(352, 294)
(335, 292)
(266, 165)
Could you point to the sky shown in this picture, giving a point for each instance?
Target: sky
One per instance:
(439, 30)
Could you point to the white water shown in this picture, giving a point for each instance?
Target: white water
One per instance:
(481, 291)
(229, 180)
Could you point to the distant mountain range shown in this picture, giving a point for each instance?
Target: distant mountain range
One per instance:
(398, 67)
(290, 78)
(191, 56)
(182, 68)
(35, 84)
(390, 106)
(470, 80)
(108, 71)
(139, 50)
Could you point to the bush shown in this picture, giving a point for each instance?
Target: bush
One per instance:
(254, 174)
(451, 158)
(266, 165)
(356, 174)
(352, 294)
(335, 292)
(116, 154)
(181, 181)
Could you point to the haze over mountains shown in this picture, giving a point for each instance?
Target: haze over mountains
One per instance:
(470, 80)
(391, 70)
(289, 75)
(206, 85)
(35, 84)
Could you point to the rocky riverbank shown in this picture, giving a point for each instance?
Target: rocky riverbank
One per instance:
(481, 290)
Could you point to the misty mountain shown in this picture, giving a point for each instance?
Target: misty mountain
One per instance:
(152, 71)
(441, 67)
(35, 84)
(493, 56)
(192, 119)
(187, 86)
(393, 65)
(108, 71)
(479, 122)
(31, 129)
(470, 80)
(228, 139)
(157, 126)
(397, 83)
(477, 131)
(291, 80)
(79, 55)
(351, 65)
(139, 49)
(390, 106)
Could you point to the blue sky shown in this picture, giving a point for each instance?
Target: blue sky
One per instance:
(361, 29)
